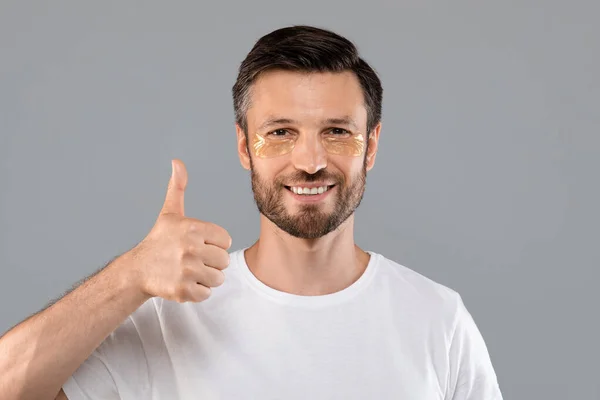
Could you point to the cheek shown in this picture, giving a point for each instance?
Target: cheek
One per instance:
(269, 169)
(349, 166)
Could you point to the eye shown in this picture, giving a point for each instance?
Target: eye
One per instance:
(339, 131)
(278, 132)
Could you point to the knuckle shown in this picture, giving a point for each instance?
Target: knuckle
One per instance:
(171, 293)
(190, 248)
(187, 225)
(181, 294)
(193, 226)
(186, 251)
(187, 272)
(181, 254)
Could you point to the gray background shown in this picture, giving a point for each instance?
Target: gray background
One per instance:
(486, 179)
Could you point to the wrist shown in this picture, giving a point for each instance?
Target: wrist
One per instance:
(129, 277)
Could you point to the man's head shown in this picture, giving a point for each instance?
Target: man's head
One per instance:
(308, 113)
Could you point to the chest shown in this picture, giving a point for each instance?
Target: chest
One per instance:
(303, 355)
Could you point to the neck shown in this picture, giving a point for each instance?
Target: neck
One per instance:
(308, 267)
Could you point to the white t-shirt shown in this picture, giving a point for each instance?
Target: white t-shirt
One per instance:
(392, 334)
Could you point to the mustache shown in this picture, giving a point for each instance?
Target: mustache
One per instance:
(303, 176)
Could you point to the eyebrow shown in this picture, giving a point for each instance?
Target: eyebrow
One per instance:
(273, 121)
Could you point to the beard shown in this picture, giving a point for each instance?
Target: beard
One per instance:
(309, 221)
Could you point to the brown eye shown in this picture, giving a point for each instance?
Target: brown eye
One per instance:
(279, 132)
(339, 131)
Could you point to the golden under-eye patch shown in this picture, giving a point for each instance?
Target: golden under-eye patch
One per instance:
(269, 145)
(351, 146)
(266, 145)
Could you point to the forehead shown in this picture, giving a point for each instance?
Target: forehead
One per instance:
(306, 97)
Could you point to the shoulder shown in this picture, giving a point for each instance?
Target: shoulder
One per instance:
(415, 288)
(414, 281)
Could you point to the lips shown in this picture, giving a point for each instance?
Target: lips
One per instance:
(310, 198)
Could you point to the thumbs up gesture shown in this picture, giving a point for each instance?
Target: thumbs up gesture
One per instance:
(181, 258)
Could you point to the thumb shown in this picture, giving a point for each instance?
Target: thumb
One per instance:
(176, 189)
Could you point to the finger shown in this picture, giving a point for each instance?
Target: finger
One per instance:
(217, 235)
(174, 199)
(198, 292)
(215, 257)
(204, 275)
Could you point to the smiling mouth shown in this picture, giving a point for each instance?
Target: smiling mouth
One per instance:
(304, 191)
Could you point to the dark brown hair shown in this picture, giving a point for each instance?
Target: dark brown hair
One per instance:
(305, 49)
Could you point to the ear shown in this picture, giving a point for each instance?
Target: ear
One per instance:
(242, 148)
(373, 144)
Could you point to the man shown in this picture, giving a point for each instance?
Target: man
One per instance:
(304, 313)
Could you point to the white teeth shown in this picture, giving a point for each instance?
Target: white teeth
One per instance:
(309, 191)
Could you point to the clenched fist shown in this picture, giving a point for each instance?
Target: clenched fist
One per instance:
(181, 258)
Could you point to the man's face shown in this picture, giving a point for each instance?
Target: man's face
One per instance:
(305, 107)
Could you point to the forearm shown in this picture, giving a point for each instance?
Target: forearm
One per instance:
(40, 354)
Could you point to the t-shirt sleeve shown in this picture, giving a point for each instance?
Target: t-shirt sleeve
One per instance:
(118, 368)
(92, 380)
(471, 375)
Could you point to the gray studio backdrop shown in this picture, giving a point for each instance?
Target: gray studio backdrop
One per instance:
(486, 180)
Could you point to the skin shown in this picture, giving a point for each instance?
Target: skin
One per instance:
(302, 249)
(307, 249)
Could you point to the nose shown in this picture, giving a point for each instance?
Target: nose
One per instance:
(309, 154)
